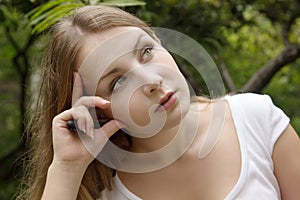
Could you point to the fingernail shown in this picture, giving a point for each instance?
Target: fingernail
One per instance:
(82, 131)
(91, 134)
(105, 101)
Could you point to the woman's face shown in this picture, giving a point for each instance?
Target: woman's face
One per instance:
(141, 79)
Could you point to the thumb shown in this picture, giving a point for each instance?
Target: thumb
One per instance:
(111, 127)
(101, 136)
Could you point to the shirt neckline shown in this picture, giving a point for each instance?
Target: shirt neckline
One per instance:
(237, 115)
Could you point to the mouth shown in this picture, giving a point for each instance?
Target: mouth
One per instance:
(167, 102)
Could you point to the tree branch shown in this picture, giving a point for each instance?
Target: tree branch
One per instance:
(259, 80)
(226, 77)
(286, 29)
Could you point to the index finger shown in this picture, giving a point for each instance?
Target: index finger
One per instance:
(77, 88)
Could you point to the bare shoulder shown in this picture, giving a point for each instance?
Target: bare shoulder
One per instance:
(286, 157)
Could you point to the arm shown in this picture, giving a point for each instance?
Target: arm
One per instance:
(72, 152)
(286, 157)
(63, 181)
(72, 156)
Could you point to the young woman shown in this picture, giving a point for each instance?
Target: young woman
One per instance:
(106, 65)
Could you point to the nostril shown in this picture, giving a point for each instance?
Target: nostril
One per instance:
(150, 89)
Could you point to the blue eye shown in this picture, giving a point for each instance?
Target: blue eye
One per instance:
(118, 82)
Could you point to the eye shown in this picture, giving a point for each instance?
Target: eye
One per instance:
(117, 82)
(146, 52)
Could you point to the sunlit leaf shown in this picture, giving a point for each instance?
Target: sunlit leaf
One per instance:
(45, 7)
(43, 17)
(124, 3)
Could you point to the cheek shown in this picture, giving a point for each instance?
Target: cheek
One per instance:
(133, 110)
(139, 110)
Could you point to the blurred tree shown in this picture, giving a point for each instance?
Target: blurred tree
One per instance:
(16, 44)
(254, 43)
(211, 22)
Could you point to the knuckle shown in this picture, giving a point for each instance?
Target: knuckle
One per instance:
(85, 100)
(79, 109)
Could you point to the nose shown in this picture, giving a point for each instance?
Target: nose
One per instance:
(153, 84)
(150, 88)
(148, 78)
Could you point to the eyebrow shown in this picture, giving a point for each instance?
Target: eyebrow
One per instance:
(113, 71)
(135, 48)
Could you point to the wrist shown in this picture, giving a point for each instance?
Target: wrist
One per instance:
(70, 174)
(63, 180)
(69, 166)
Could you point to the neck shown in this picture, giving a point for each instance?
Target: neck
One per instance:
(159, 140)
(180, 135)
(164, 148)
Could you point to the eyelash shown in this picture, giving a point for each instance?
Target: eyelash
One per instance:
(144, 51)
(114, 82)
(142, 54)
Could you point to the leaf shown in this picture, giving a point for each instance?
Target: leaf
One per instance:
(43, 8)
(49, 13)
(52, 16)
(124, 3)
(41, 18)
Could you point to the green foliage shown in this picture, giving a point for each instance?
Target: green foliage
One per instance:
(197, 19)
(285, 90)
(124, 3)
(8, 189)
(246, 50)
(9, 17)
(14, 36)
(44, 16)
(245, 35)
(9, 115)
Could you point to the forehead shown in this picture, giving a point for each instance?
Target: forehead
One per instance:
(109, 39)
(102, 49)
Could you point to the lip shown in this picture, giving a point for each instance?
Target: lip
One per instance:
(167, 101)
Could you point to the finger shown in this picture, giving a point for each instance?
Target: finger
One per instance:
(77, 88)
(111, 127)
(84, 120)
(96, 144)
(92, 101)
(60, 120)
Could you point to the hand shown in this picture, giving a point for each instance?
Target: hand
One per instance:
(80, 149)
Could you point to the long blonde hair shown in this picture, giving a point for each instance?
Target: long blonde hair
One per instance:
(55, 95)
